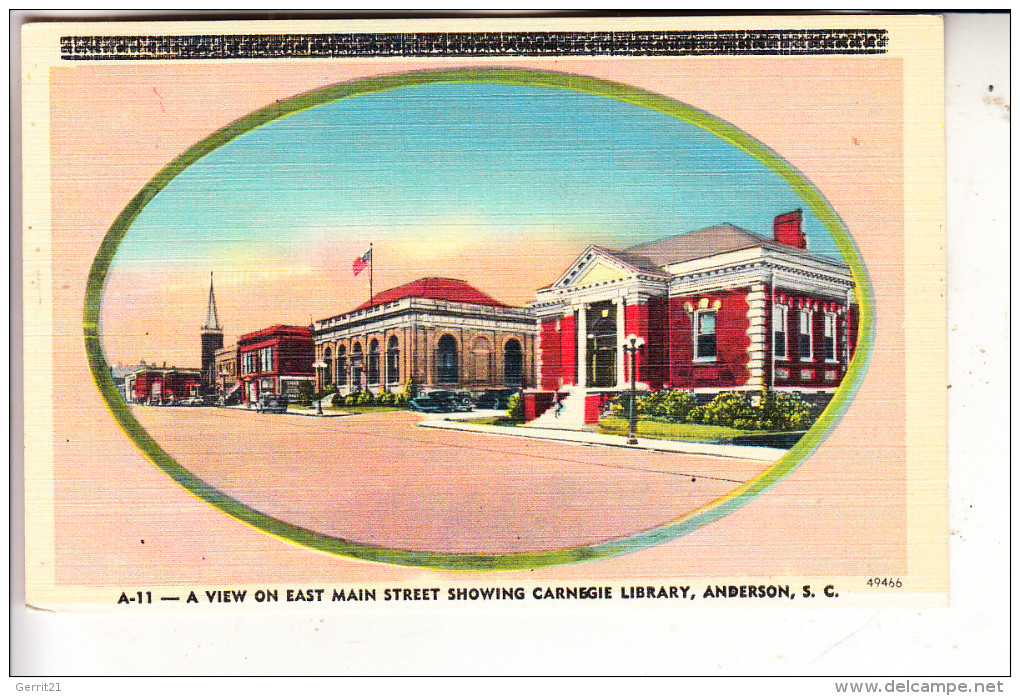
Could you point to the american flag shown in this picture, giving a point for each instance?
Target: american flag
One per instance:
(361, 263)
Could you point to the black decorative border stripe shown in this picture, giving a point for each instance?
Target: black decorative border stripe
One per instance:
(505, 44)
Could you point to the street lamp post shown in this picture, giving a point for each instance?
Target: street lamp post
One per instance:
(632, 345)
(320, 373)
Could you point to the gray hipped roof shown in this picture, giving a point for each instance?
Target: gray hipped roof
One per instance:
(696, 245)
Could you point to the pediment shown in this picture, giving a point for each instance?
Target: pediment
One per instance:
(594, 267)
(599, 272)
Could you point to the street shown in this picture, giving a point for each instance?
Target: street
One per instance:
(377, 479)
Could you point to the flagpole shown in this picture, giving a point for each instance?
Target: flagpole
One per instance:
(371, 262)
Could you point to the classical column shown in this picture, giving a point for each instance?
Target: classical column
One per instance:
(350, 368)
(621, 336)
(582, 345)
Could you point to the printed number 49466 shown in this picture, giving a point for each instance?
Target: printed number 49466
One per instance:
(885, 582)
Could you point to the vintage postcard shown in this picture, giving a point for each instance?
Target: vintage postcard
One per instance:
(629, 312)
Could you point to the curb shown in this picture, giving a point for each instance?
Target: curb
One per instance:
(762, 454)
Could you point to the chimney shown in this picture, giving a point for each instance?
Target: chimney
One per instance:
(787, 229)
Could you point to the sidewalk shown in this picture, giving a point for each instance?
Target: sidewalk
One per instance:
(293, 411)
(762, 454)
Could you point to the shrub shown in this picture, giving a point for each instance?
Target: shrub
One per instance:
(515, 408)
(329, 389)
(784, 411)
(727, 408)
(365, 398)
(775, 411)
(675, 404)
(668, 404)
(386, 398)
(410, 391)
(647, 405)
(305, 393)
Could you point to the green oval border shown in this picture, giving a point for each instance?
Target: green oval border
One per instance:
(482, 562)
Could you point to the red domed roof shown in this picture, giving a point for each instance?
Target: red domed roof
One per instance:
(448, 289)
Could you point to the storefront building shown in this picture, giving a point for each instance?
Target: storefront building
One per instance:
(720, 309)
(228, 372)
(439, 332)
(166, 385)
(274, 361)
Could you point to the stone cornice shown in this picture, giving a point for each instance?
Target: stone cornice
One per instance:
(423, 310)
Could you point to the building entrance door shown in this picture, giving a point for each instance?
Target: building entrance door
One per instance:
(602, 345)
(513, 363)
(446, 360)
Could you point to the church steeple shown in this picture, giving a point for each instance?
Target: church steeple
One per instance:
(212, 322)
(211, 336)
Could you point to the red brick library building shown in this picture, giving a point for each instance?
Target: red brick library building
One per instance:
(719, 309)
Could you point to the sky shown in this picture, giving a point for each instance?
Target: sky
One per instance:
(501, 186)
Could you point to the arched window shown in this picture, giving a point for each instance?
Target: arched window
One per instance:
(341, 365)
(392, 361)
(357, 364)
(327, 358)
(373, 362)
(446, 360)
(513, 363)
(481, 360)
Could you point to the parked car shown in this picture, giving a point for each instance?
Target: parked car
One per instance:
(497, 399)
(272, 403)
(461, 400)
(433, 403)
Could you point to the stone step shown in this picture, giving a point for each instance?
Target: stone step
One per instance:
(568, 415)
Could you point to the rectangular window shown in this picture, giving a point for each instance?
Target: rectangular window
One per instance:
(830, 337)
(805, 347)
(248, 363)
(779, 324)
(704, 336)
(266, 359)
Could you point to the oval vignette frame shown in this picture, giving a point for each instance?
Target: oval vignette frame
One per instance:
(664, 532)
